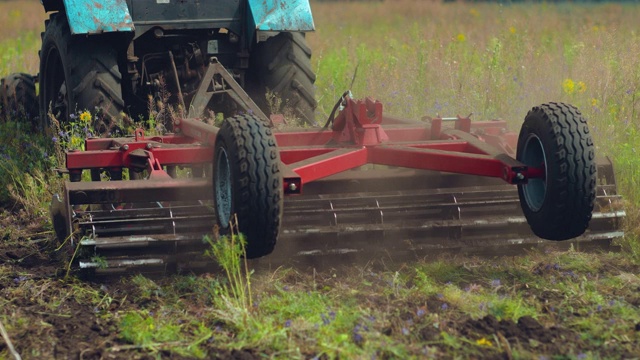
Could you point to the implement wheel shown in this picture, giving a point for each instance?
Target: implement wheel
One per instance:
(247, 182)
(558, 206)
(78, 73)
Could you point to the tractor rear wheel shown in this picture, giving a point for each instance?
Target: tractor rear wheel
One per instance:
(282, 65)
(558, 206)
(247, 182)
(18, 97)
(78, 73)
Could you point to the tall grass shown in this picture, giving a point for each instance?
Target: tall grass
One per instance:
(492, 60)
(21, 22)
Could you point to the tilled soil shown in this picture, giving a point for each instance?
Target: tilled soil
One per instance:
(58, 318)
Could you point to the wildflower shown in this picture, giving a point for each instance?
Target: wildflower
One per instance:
(357, 338)
(512, 30)
(19, 279)
(421, 312)
(85, 117)
(405, 331)
(568, 86)
(484, 342)
(461, 38)
(325, 319)
(495, 283)
(287, 323)
(581, 87)
(599, 308)
(474, 12)
(444, 306)
(54, 139)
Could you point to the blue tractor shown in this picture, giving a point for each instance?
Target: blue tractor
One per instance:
(120, 58)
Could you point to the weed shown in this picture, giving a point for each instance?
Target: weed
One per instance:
(229, 252)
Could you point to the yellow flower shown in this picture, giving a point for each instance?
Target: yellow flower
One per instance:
(474, 12)
(484, 342)
(594, 102)
(85, 117)
(582, 87)
(512, 30)
(568, 86)
(461, 37)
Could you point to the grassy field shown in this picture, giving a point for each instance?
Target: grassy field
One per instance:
(419, 58)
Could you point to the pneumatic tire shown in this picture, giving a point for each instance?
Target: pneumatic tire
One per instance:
(19, 99)
(558, 206)
(247, 182)
(78, 73)
(282, 64)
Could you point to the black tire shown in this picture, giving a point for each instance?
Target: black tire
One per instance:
(78, 73)
(247, 182)
(282, 64)
(19, 99)
(558, 207)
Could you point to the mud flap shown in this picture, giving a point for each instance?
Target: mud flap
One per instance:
(270, 17)
(86, 18)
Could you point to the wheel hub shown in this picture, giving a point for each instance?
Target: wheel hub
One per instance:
(222, 186)
(536, 189)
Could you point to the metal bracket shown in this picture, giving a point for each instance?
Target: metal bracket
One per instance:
(217, 80)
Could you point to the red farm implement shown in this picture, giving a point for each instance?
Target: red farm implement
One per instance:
(363, 183)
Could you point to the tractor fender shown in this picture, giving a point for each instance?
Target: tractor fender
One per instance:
(93, 16)
(279, 15)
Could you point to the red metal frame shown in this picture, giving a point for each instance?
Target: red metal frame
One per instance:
(357, 137)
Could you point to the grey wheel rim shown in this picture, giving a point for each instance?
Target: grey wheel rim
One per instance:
(223, 188)
(535, 190)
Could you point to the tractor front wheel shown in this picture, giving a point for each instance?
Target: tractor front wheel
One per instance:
(247, 182)
(556, 137)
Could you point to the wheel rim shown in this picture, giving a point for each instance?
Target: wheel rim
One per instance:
(222, 183)
(536, 189)
(54, 88)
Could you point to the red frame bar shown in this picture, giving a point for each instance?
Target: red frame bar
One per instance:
(356, 138)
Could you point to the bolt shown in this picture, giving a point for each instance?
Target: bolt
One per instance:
(176, 121)
(177, 130)
(125, 147)
(293, 187)
(519, 176)
(149, 146)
